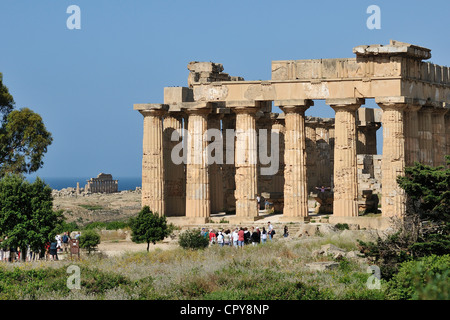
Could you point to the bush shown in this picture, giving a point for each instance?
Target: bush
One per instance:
(193, 239)
(342, 226)
(89, 240)
(424, 279)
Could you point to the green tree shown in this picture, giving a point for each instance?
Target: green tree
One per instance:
(89, 240)
(425, 229)
(26, 213)
(23, 137)
(148, 227)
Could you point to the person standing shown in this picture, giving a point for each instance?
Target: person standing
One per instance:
(212, 237)
(255, 237)
(220, 239)
(227, 238)
(241, 238)
(263, 235)
(6, 251)
(235, 237)
(53, 250)
(65, 241)
(269, 230)
(286, 232)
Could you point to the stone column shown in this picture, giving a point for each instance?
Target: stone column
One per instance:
(264, 122)
(152, 158)
(311, 153)
(246, 160)
(426, 136)
(295, 186)
(345, 202)
(367, 138)
(393, 197)
(228, 168)
(215, 172)
(198, 205)
(412, 145)
(447, 131)
(278, 125)
(438, 125)
(174, 175)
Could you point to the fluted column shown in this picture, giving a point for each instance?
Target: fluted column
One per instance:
(426, 136)
(175, 178)
(215, 172)
(246, 162)
(295, 186)
(345, 202)
(393, 162)
(447, 132)
(198, 203)
(439, 145)
(228, 167)
(412, 145)
(311, 154)
(152, 158)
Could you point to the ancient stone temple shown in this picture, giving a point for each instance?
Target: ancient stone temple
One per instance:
(104, 183)
(257, 151)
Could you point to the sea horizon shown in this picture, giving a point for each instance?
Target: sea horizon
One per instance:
(58, 183)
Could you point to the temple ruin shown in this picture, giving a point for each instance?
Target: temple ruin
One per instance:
(340, 153)
(103, 183)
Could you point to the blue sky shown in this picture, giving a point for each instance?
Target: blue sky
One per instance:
(84, 82)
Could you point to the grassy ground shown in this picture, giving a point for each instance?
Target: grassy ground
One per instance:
(271, 271)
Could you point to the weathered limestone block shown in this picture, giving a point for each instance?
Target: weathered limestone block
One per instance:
(325, 202)
(322, 266)
(177, 95)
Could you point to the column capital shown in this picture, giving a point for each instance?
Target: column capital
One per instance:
(294, 106)
(294, 103)
(245, 106)
(348, 104)
(440, 111)
(199, 107)
(400, 102)
(151, 109)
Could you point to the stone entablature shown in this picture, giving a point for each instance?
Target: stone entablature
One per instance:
(413, 97)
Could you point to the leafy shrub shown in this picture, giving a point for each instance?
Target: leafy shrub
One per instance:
(342, 226)
(193, 239)
(423, 279)
(89, 240)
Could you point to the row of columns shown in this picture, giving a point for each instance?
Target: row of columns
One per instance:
(410, 131)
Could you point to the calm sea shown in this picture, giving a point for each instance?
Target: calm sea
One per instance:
(125, 183)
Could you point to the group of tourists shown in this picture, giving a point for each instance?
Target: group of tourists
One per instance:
(241, 236)
(60, 244)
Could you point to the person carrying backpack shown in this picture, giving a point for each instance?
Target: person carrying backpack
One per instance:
(65, 241)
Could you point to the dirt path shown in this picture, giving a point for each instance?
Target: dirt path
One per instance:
(116, 248)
